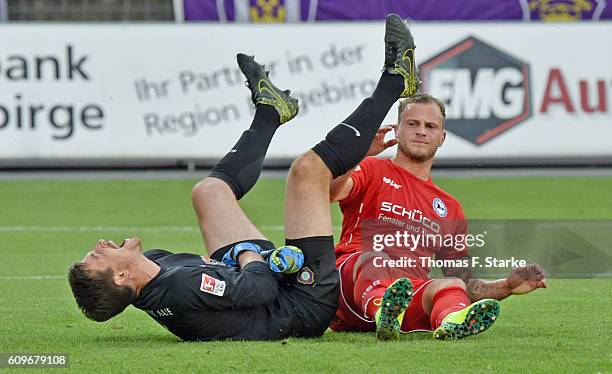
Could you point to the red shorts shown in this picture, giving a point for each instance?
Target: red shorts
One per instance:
(348, 317)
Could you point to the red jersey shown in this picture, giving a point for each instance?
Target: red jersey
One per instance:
(389, 209)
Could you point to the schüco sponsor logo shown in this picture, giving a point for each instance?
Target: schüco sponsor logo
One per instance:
(487, 91)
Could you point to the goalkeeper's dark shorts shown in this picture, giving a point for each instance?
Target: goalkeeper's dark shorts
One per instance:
(312, 292)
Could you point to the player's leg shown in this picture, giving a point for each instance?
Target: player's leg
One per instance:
(308, 222)
(307, 201)
(215, 198)
(347, 144)
(451, 314)
(399, 59)
(221, 220)
(382, 293)
(439, 286)
(348, 317)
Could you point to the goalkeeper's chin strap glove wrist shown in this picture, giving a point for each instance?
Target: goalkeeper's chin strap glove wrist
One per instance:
(230, 258)
(285, 260)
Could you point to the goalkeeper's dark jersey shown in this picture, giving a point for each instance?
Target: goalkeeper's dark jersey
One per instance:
(200, 299)
(196, 298)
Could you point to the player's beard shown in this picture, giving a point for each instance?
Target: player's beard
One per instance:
(416, 157)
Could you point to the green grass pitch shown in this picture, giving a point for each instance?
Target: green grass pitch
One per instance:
(46, 225)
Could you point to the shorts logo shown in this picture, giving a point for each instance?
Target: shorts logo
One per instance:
(305, 276)
(212, 285)
(370, 288)
(440, 207)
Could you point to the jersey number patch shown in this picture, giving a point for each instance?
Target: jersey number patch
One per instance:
(212, 285)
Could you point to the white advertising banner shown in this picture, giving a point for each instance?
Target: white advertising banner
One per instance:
(174, 91)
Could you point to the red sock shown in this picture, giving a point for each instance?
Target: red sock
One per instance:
(445, 301)
(370, 286)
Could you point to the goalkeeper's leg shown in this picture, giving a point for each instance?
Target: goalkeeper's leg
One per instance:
(307, 211)
(221, 220)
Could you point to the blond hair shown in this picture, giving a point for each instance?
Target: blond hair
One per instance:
(421, 98)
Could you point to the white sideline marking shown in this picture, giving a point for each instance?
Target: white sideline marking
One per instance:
(33, 277)
(116, 228)
(15, 229)
(94, 228)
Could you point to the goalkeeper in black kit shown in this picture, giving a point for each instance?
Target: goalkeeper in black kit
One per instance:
(249, 289)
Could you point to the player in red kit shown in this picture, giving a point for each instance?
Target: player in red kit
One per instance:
(396, 221)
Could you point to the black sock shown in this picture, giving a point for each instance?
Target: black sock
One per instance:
(241, 167)
(348, 143)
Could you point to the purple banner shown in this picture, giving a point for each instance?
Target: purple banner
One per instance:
(3, 11)
(423, 10)
(267, 11)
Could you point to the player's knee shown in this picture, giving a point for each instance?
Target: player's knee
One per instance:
(208, 189)
(308, 166)
(371, 255)
(371, 259)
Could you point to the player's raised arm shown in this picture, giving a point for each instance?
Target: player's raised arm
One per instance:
(341, 187)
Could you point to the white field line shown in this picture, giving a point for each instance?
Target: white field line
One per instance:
(32, 277)
(264, 227)
(95, 229)
(15, 229)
